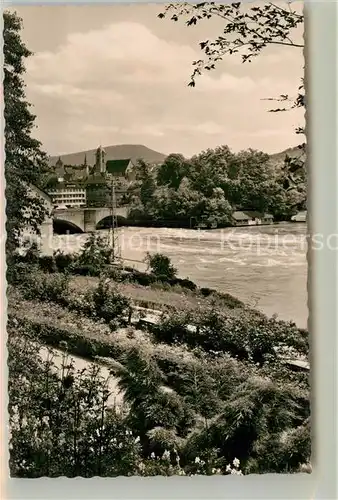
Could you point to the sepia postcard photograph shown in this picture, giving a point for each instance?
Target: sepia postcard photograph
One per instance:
(156, 240)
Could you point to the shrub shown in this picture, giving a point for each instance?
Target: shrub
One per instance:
(250, 338)
(143, 279)
(96, 252)
(85, 269)
(47, 287)
(160, 265)
(60, 420)
(47, 264)
(185, 283)
(63, 261)
(109, 304)
(17, 272)
(32, 254)
(114, 272)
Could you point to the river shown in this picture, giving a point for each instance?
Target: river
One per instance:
(264, 266)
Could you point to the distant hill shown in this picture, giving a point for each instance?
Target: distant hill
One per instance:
(279, 158)
(119, 152)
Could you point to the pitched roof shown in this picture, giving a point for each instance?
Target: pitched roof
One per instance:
(96, 179)
(238, 215)
(250, 214)
(114, 166)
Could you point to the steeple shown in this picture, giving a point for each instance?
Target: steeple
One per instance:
(59, 163)
(60, 170)
(85, 164)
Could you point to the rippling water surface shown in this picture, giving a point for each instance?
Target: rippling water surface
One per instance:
(265, 266)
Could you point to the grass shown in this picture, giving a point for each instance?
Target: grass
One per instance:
(157, 298)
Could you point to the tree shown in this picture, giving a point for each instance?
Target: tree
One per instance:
(148, 186)
(161, 265)
(247, 31)
(25, 162)
(211, 168)
(172, 170)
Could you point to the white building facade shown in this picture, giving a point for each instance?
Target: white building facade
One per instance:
(68, 196)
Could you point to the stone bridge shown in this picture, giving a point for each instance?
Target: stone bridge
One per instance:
(87, 219)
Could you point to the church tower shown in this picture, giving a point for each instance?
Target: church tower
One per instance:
(86, 166)
(60, 170)
(100, 166)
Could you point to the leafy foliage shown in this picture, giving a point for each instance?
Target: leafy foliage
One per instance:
(209, 186)
(193, 403)
(247, 32)
(46, 287)
(25, 163)
(95, 252)
(160, 265)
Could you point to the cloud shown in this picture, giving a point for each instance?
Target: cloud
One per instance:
(123, 83)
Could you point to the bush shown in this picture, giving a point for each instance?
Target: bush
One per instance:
(185, 283)
(96, 252)
(47, 264)
(17, 272)
(32, 254)
(85, 269)
(102, 302)
(109, 303)
(160, 265)
(143, 279)
(246, 338)
(60, 420)
(63, 261)
(46, 287)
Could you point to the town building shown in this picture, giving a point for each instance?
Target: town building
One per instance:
(251, 218)
(85, 185)
(121, 168)
(68, 195)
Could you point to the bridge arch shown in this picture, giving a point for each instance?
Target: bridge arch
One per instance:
(63, 226)
(106, 222)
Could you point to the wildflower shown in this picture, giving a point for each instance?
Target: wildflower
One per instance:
(45, 420)
(152, 455)
(236, 462)
(228, 468)
(236, 472)
(166, 455)
(197, 460)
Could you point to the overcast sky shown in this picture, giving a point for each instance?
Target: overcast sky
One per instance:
(118, 75)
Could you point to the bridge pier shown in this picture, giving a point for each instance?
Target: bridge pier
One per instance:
(90, 220)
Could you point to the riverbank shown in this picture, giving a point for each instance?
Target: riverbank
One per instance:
(264, 267)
